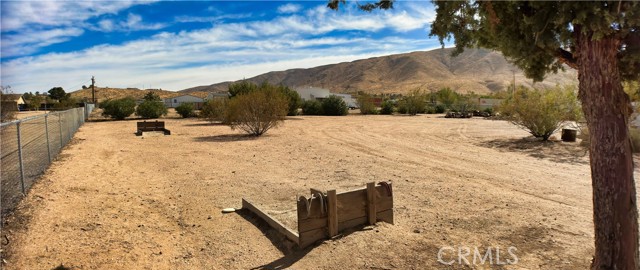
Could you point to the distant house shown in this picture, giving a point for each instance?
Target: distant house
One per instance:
(312, 93)
(315, 93)
(488, 102)
(212, 95)
(177, 100)
(351, 102)
(13, 102)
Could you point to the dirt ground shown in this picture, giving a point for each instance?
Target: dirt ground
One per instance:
(116, 201)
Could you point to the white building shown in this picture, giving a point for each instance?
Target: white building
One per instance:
(351, 102)
(311, 93)
(176, 101)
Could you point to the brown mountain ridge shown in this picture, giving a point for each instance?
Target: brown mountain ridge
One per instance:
(475, 70)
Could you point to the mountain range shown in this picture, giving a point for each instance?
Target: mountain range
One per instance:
(475, 70)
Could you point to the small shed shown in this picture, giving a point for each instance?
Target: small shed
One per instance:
(178, 100)
(312, 93)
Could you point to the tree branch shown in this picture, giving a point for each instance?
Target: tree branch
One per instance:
(566, 58)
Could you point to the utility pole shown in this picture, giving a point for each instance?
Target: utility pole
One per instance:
(93, 89)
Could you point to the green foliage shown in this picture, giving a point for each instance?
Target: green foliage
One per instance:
(387, 107)
(119, 108)
(334, 105)
(542, 112)
(57, 93)
(312, 107)
(447, 97)
(151, 96)
(402, 107)
(465, 103)
(242, 87)
(34, 102)
(66, 103)
(414, 102)
(365, 102)
(215, 110)
(439, 108)
(245, 87)
(293, 99)
(151, 109)
(185, 110)
(258, 111)
(489, 110)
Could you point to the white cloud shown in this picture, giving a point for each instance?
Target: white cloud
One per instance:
(38, 24)
(289, 8)
(226, 51)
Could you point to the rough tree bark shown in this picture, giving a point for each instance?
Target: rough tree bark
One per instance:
(607, 109)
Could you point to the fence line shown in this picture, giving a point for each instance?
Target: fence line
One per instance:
(29, 145)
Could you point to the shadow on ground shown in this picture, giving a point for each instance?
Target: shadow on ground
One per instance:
(205, 124)
(226, 138)
(291, 252)
(556, 151)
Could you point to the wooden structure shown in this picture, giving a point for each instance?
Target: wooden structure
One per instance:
(325, 215)
(145, 126)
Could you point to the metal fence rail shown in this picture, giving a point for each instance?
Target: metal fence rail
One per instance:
(29, 145)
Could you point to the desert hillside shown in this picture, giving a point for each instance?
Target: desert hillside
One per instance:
(104, 93)
(477, 70)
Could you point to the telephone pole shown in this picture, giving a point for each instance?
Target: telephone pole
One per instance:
(93, 89)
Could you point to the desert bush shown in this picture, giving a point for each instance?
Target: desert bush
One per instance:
(215, 110)
(414, 102)
(489, 110)
(65, 103)
(439, 108)
(542, 112)
(258, 111)
(387, 107)
(151, 109)
(402, 107)
(119, 108)
(312, 107)
(245, 87)
(447, 97)
(365, 102)
(334, 105)
(185, 110)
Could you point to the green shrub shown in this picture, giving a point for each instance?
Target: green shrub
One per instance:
(312, 107)
(215, 110)
(365, 102)
(387, 107)
(542, 112)
(402, 107)
(414, 102)
(429, 110)
(119, 108)
(185, 110)
(258, 111)
(334, 105)
(440, 108)
(151, 109)
(489, 110)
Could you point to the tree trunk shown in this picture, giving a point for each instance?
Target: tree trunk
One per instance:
(607, 108)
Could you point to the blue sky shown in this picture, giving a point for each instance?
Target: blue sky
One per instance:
(174, 45)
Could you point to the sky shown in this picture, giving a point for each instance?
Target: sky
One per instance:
(174, 45)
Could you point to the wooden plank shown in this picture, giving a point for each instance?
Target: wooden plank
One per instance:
(290, 234)
(352, 205)
(332, 213)
(310, 224)
(314, 211)
(343, 225)
(386, 216)
(310, 237)
(371, 202)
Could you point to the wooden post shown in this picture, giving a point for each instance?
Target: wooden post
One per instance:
(371, 202)
(332, 213)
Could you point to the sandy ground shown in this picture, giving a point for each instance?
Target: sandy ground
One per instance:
(26, 114)
(116, 201)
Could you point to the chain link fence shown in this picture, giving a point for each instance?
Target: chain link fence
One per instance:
(29, 145)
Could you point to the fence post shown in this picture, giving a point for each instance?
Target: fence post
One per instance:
(46, 130)
(68, 128)
(60, 129)
(20, 158)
